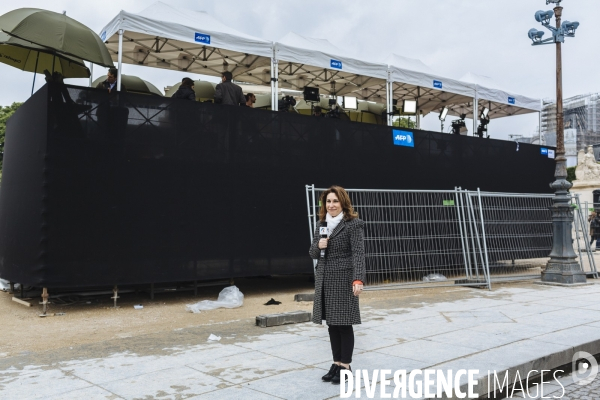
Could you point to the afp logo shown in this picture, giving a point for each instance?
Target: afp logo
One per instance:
(512, 100)
(403, 138)
(202, 38)
(337, 64)
(544, 151)
(437, 84)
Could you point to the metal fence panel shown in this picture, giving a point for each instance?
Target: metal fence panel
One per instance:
(460, 237)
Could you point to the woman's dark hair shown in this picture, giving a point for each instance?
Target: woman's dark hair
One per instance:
(187, 82)
(228, 75)
(345, 202)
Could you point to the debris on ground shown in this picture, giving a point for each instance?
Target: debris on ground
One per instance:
(230, 297)
(272, 302)
(214, 338)
(434, 278)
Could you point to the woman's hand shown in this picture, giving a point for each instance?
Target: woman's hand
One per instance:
(357, 289)
(323, 243)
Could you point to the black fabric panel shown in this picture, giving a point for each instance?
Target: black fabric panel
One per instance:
(23, 211)
(146, 189)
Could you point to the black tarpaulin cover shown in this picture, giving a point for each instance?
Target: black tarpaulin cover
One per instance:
(103, 189)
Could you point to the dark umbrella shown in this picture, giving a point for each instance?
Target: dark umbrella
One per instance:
(57, 32)
(134, 84)
(30, 57)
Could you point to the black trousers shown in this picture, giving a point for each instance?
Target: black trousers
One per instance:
(342, 342)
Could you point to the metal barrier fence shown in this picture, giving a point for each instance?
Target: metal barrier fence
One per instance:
(420, 238)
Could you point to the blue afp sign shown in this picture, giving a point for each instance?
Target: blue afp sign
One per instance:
(512, 100)
(437, 84)
(337, 64)
(403, 138)
(202, 38)
(544, 151)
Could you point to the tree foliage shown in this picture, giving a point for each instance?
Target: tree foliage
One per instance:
(404, 123)
(571, 174)
(5, 113)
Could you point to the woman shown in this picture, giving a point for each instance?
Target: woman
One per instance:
(339, 276)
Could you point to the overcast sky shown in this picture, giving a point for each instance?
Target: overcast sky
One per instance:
(453, 37)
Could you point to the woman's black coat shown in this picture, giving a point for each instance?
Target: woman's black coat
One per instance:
(344, 263)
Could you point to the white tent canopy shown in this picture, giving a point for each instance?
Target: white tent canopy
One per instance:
(502, 103)
(163, 36)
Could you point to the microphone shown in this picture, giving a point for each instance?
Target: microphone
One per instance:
(323, 232)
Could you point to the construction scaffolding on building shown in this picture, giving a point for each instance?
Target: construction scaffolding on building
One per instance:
(581, 114)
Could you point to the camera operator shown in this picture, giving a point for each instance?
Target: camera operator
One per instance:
(285, 103)
(318, 112)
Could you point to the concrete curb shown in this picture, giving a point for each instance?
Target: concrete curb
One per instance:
(547, 362)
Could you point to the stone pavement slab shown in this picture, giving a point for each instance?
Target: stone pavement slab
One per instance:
(509, 329)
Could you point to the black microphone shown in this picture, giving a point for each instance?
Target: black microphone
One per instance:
(323, 233)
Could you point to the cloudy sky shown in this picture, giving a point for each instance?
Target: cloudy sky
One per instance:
(453, 37)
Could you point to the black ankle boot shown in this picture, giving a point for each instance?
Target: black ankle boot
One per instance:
(332, 372)
(337, 378)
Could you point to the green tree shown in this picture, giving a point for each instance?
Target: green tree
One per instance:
(404, 123)
(571, 174)
(5, 113)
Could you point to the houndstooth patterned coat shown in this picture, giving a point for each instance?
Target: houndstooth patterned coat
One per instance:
(344, 263)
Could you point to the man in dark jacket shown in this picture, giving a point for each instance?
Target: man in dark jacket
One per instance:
(110, 83)
(186, 90)
(228, 92)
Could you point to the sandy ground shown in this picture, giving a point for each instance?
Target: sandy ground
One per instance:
(23, 331)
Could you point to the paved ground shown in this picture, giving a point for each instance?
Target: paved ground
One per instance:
(510, 328)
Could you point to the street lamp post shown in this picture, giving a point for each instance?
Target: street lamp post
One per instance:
(562, 267)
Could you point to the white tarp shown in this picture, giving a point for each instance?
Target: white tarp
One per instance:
(321, 53)
(487, 89)
(196, 27)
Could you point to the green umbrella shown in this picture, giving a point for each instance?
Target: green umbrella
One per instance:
(30, 57)
(133, 84)
(56, 32)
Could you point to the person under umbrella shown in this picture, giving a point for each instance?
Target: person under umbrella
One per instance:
(186, 90)
(110, 83)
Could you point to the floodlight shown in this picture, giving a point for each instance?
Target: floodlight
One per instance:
(410, 107)
(535, 35)
(544, 16)
(569, 28)
(350, 102)
(443, 114)
(484, 113)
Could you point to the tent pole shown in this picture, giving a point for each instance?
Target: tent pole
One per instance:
(275, 94)
(418, 117)
(475, 111)
(91, 73)
(35, 71)
(273, 80)
(120, 60)
(389, 99)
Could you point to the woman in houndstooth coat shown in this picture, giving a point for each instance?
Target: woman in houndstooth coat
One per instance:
(339, 275)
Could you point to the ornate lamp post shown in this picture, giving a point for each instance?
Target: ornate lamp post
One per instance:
(563, 266)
